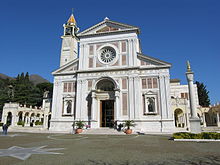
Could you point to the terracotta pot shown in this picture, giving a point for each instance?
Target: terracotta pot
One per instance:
(128, 131)
(78, 131)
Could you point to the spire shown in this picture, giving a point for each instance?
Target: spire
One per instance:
(71, 20)
(188, 67)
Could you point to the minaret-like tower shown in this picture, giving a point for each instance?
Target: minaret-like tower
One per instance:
(69, 48)
(194, 120)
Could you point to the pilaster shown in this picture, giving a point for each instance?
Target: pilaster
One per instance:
(131, 97)
(134, 53)
(81, 57)
(84, 108)
(79, 100)
(162, 94)
(130, 53)
(137, 100)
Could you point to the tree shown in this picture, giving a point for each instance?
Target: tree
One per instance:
(26, 78)
(203, 94)
(23, 91)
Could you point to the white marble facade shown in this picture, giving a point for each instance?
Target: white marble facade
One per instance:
(109, 80)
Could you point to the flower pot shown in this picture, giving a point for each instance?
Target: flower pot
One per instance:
(128, 131)
(78, 131)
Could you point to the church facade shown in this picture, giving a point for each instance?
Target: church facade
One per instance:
(105, 78)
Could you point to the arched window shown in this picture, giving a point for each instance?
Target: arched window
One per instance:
(105, 85)
(151, 104)
(68, 106)
(9, 118)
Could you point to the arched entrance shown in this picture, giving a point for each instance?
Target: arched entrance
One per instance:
(179, 118)
(48, 122)
(32, 119)
(20, 114)
(106, 95)
(9, 118)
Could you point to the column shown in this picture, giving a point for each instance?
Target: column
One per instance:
(23, 117)
(14, 119)
(190, 78)
(195, 126)
(5, 118)
(93, 113)
(218, 120)
(45, 121)
(203, 118)
(117, 106)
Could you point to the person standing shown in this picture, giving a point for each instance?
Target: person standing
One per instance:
(5, 129)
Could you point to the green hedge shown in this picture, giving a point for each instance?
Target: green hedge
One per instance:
(1, 124)
(38, 123)
(20, 123)
(203, 135)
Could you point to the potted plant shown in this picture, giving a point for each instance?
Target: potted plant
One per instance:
(79, 127)
(128, 124)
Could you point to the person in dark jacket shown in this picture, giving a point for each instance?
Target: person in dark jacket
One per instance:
(5, 129)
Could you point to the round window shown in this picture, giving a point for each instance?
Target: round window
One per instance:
(107, 55)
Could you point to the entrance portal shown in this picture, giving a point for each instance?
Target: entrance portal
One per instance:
(107, 113)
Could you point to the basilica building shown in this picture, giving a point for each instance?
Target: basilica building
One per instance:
(104, 77)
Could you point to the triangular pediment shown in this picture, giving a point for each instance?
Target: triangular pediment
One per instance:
(108, 26)
(68, 68)
(150, 93)
(147, 61)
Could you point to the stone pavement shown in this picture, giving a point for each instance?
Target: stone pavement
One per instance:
(104, 150)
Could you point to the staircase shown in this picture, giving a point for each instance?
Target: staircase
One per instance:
(102, 131)
(28, 129)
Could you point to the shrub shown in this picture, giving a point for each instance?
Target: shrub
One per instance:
(1, 124)
(38, 122)
(203, 135)
(129, 123)
(20, 123)
(183, 135)
(79, 124)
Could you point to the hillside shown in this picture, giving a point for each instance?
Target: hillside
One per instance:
(34, 78)
(3, 76)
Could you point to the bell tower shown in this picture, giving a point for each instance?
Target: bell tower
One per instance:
(69, 50)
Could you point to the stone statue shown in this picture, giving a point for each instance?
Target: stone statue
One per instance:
(46, 94)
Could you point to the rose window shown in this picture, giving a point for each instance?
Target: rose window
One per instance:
(107, 55)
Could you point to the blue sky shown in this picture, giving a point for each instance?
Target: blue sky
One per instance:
(171, 30)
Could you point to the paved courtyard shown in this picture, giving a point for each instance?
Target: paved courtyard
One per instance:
(66, 149)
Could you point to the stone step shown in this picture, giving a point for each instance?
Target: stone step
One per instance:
(211, 129)
(27, 129)
(102, 131)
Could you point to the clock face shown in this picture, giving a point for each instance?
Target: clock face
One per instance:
(107, 55)
(68, 31)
